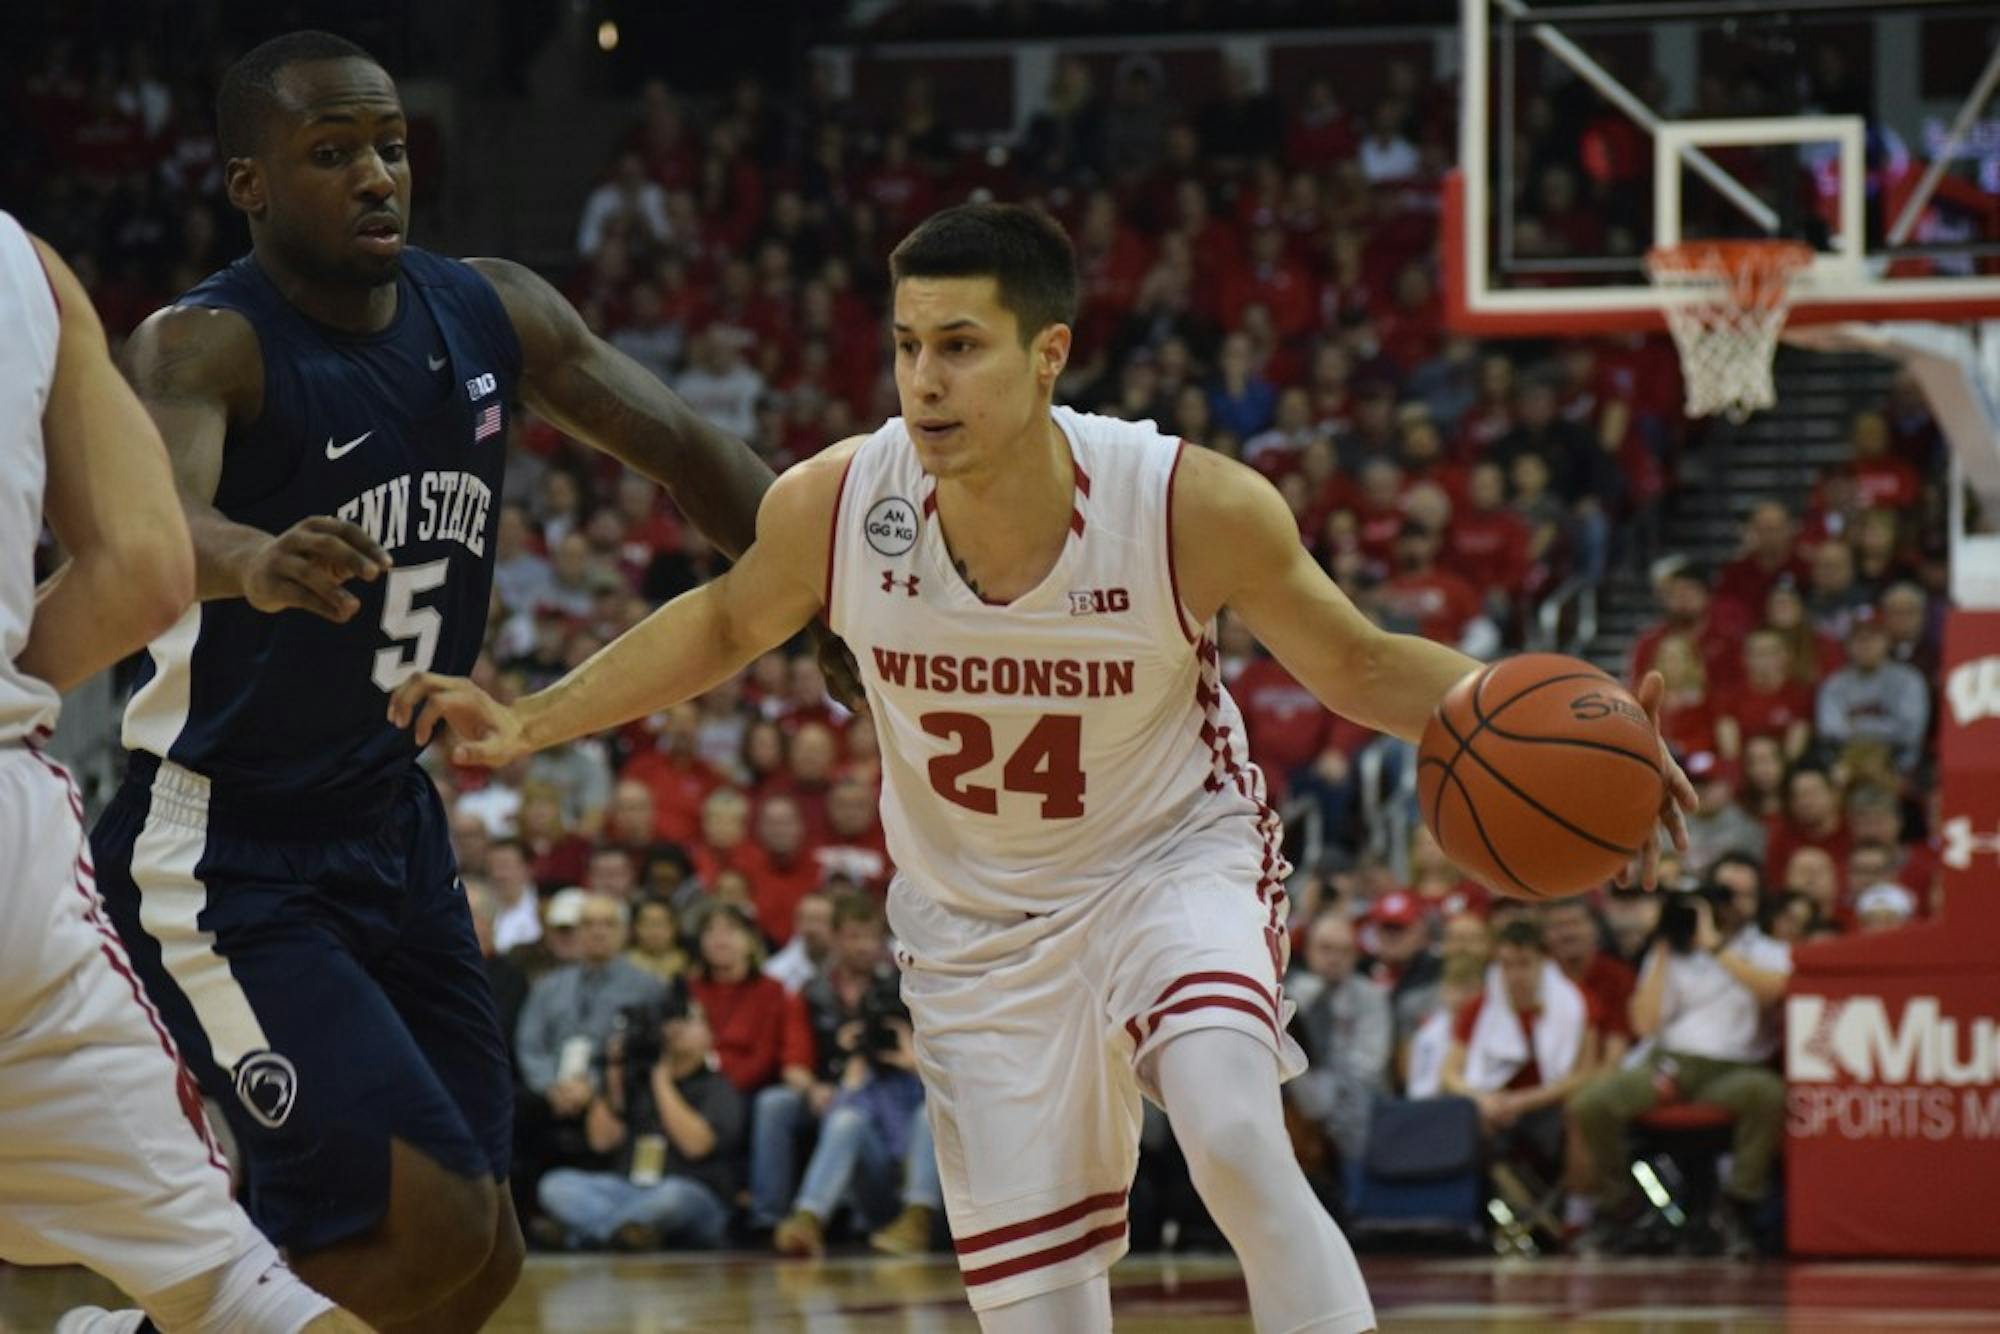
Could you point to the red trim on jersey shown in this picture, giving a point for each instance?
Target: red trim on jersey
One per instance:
(1173, 575)
(930, 502)
(1082, 477)
(1209, 1002)
(113, 951)
(1076, 522)
(1132, 1028)
(1249, 984)
(832, 536)
(1069, 1250)
(1028, 1227)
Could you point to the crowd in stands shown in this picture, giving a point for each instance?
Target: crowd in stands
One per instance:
(683, 919)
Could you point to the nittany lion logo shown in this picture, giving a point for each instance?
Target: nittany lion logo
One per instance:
(891, 526)
(267, 1084)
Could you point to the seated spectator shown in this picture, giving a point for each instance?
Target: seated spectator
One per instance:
(1687, 719)
(812, 755)
(631, 201)
(1875, 817)
(1811, 654)
(572, 1011)
(1791, 918)
(1760, 789)
(675, 1128)
(1630, 916)
(1522, 1046)
(1487, 544)
(857, 967)
(1718, 823)
(1276, 451)
(561, 940)
(855, 845)
(1882, 479)
(1770, 556)
(760, 1031)
(1878, 553)
(680, 780)
(725, 844)
(718, 385)
(1403, 964)
(1874, 699)
(799, 962)
(632, 826)
(1433, 602)
(1905, 614)
(1582, 476)
(1832, 598)
(874, 1151)
(517, 907)
(557, 856)
(1574, 941)
(783, 869)
(1768, 701)
(509, 983)
(1466, 950)
(656, 942)
(521, 575)
(1811, 819)
(1884, 907)
(1708, 995)
(1813, 875)
(1685, 605)
(1241, 401)
(1386, 155)
(1348, 1034)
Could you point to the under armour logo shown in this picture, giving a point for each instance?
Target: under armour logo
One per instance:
(890, 580)
(1960, 842)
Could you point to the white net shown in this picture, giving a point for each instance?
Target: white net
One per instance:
(1726, 304)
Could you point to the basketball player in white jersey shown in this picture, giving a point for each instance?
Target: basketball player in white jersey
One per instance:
(105, 1155)
(1089, 899)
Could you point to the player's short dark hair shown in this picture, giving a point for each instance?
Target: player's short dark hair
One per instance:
(1024, 250)
(1522, 933)
(249, 90)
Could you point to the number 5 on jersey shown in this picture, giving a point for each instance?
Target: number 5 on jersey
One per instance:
(413, 629)
(1048, 763)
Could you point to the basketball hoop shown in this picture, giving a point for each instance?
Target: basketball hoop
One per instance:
(1726, 302)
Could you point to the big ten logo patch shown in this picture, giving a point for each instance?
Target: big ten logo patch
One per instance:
(891, 526)
(1098, 601)
(479, 386)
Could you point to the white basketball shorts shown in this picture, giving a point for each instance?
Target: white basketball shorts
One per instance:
(102, 1162)
(1034, 1037)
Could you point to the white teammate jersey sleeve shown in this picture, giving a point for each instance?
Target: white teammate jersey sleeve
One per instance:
(32, 321)
(1036, 753)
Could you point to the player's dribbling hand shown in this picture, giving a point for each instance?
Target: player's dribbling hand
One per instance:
(1680, 796)
(308, 565)
(488, 733)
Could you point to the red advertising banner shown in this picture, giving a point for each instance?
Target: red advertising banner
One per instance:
(1892, 1041)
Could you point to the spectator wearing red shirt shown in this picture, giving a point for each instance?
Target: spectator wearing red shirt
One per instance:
(812, 754)
(1904, 611)
(1420, 449)
(1410, 328)
(1687, 721)
(1486, 543)
(898, 186)
(1520, 1073)
(789, 870)
(1684, 598)
(761, 1030)
(1874, 817)
(1769, 701)
(1811, 820)
(1321, 132)
(1883, 481)
(1770, 555)
(556, 856)
(725, 844)
(1436, 603)
(806, 699)
(855, 846)
(1813, 656)
(1491, 415)
(1575, 941)
(1273, 280)
(1378, 512)
(680, 779)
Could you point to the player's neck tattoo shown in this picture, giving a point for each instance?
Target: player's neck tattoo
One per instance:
(966, 575)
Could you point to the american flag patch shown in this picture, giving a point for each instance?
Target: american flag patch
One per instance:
(487, 424)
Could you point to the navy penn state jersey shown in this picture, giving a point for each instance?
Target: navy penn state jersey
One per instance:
(403, 432)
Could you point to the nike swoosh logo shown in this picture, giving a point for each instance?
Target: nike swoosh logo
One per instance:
(342, 451)
(436, 363)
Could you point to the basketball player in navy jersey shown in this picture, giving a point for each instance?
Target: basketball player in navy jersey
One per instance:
(335, 406)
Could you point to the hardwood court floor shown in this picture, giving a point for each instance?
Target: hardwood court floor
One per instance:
(737, 1292)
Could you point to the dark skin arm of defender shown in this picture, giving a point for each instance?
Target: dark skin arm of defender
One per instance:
(596, 393)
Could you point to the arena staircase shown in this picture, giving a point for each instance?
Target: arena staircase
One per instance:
(1776, 455)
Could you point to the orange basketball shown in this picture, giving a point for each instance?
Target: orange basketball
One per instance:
(1540, 775)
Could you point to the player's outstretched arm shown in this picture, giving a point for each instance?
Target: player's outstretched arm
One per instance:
(604, 398)
(1236, 545)
(196, 370)
(692, 644)
(109, 497)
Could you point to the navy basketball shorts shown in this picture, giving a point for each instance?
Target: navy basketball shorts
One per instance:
(326, 988)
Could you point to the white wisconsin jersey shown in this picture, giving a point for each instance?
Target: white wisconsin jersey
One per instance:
(32, 321)
(1038, 752)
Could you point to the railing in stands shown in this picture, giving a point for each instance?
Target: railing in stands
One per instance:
(1550, 618)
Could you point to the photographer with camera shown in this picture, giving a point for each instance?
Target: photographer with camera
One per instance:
(875, 1148)
(676, 1128)
(1708, 997)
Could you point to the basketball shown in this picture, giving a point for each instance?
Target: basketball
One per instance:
(1540, 775)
